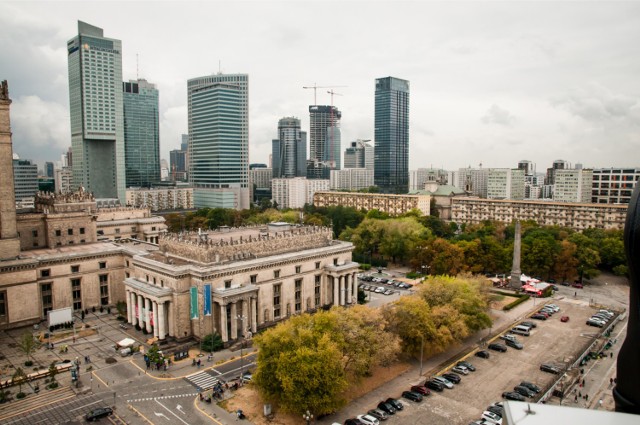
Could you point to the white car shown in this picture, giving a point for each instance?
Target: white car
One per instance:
(491, 417)
(554, 307)
(460, 369)
(368, 420)
(443, 381)
(379, 290)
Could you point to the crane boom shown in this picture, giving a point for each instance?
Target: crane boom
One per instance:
(315, 88)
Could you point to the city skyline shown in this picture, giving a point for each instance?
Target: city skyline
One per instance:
(492, 83)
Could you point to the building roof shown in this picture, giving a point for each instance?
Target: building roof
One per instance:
(442, 190)
(522, 413)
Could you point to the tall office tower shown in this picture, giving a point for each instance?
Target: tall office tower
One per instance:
(219, 140)
(528, 167)
(9, 240)
(324, 141)
(49, 169)
(95, 103)
(505, 183)
(25, 179)
(359, 154)
(141, 133)
(184, 145)
(558, 164)
(178, 165)
(391, 168)
(289, 150)
(473, 181)
(572, 185)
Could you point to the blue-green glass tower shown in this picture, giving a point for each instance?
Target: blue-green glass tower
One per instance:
(141, 133)
(219, 140)
(391, 151)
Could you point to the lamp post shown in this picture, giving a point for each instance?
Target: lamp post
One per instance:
(241, 318)
(307, 416)
(421, 351)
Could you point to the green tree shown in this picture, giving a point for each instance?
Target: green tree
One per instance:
(446, 258)
(612, 253)
(154, 354)
(399, 235)
(538, 254)
(121, 307)
(410, 318)
(212, 342)
(564, 268)
(28, 345)
(18, 378)
(53, 371)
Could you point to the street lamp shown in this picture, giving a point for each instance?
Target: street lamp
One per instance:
(241, 318)
(307, 416)
(421, 351)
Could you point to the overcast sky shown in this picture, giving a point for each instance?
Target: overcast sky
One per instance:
(491, 82)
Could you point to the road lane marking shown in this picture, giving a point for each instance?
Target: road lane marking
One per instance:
(170, 411)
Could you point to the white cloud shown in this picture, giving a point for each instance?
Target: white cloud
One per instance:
(498, 115)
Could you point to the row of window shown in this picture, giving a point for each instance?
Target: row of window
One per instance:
(75, 268)
(277, 292)
(46, 294)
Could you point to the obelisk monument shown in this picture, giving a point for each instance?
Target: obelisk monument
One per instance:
(515, 269)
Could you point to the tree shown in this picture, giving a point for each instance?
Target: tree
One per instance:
(53, 371)
(399, 235)
(410, 318)
(154, 354)
(121, 307)
(446, 258)
(27, 345)
(212, 342)
(18, 378)
(612, 253)
(564, 268)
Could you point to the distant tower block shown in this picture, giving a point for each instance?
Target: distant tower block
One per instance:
(515, 269)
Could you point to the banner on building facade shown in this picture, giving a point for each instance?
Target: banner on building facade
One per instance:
(194, 302)
(151, 318)
(206, 309)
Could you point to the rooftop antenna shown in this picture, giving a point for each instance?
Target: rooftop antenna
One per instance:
(219, 66)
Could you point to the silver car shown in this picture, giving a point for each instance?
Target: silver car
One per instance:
(444, 381)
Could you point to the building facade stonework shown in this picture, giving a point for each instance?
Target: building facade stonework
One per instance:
(387, 203)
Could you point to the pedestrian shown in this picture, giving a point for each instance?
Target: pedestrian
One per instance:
(580, 394)
(610, 381)
(611, 354)
(586, 397)
(615, 380)
(576, 399)
(575, 294)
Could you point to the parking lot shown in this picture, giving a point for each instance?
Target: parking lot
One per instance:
(389, 289)
(552, 342)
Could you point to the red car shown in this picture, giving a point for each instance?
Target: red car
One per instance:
(420, 389)
(564, 319)
(577, 285)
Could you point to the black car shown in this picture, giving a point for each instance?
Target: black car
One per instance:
(387, 408)
(498, 410)
(453, 377)
(529, 324)
(532, 387)
(435, 386)
(545, 367)
(353, 421)
(483, 354)
(413, 396)
(379, 414)
(538, 316)
(514, 344)
(98, 413)
(524, 391)
(510, 395)
(395, 403)
(497, 347)
(467, 365)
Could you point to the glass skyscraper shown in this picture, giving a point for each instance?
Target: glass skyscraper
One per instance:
(324, 141)
(391, 151)
(289, 150)
(219, 140)
(95, 101)
(141, 133)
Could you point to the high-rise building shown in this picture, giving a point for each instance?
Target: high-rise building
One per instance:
(392, 135)
(572, 185)
(359, 154)
(351, 179)
(324, 141)
(25, 175)
(96, 111)
(528, 167)
(473, 181)
(289, 150)
(296, 192)
(141, 133)
(613, 185)
(505, 183)
(219, 140)
(49, 169)
(558, 164)
(178, 165)
(418, 178)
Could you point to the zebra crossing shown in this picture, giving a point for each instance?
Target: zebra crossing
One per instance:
(202, 380)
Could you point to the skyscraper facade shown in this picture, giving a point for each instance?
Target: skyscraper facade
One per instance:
(391, 171)
(324, 141)
(49, 169)
(218, 109)
(359, 154)
(96, 111)
(289, 150)
(25, 179)
(141, 133)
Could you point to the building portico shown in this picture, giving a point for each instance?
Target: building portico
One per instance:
(147, 306)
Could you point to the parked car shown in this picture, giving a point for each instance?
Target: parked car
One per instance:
(510, 395)
(395, 403)
(491, 417)
(380, 289)
(468, 365)
(378, 414)
(388, 292)
(546, 314)
(564, 319)
(602, 317)
(413, 396)
(352, 421)
(546, 367)
(387, 408)
(514, 344)
(461, 370)
(508, 337)
(444, 381)
(497, 347)
(524, 391)
(553, 306)
(539, 316)
(483, 354)
(434, 385)
(452, 377)
(607, 312)
(98, 413)
(368, 420)
(498, 410)
(420, 389)
(565, 284)
(577, 285)
(529, 324)
(555, 287)
(595, 322)
(531, 386)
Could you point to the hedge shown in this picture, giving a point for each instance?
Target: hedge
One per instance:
(508, 294)
(520, 300)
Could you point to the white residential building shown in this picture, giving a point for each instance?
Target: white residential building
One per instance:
(161, 199)
(505, 183)
(572, 185)
(473, 181)
(351, 179)
(296, 192)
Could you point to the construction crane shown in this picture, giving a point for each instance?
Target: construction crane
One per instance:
(315, 88)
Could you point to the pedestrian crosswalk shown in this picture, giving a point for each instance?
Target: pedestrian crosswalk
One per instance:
(202, 380)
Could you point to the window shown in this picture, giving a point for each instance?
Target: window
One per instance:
(82, 230)
(104, 289)
(46, 295)
(153, 228)
(3, 306)
(58, 232)
(102, 264)
(253, 278)
(45, 273)
(316, 291)
(276, 300)
(298, 269)
(70, 232)
(75, 269)
(227, 284)
(276, 274)
(298, 288)
(117, 231)
(154, 280)
(77, 295)
(133, 229)
(34, 233)
(127, 263)
(335, 261)
(317, 264)
(127, 274)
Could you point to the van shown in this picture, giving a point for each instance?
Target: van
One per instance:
(125, 352)
(520, 330)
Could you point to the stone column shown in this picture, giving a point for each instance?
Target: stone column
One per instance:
(148, 306)
(155, 319)
(354, 286)
(140, 307)
(341, 290)
(234, 321)
(171, 320)
(336, 291)
(254, 315)
(160, 321)
(128, 297)
(223, 323)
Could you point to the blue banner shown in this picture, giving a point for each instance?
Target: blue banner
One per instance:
(207, 300)
(194, 302)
